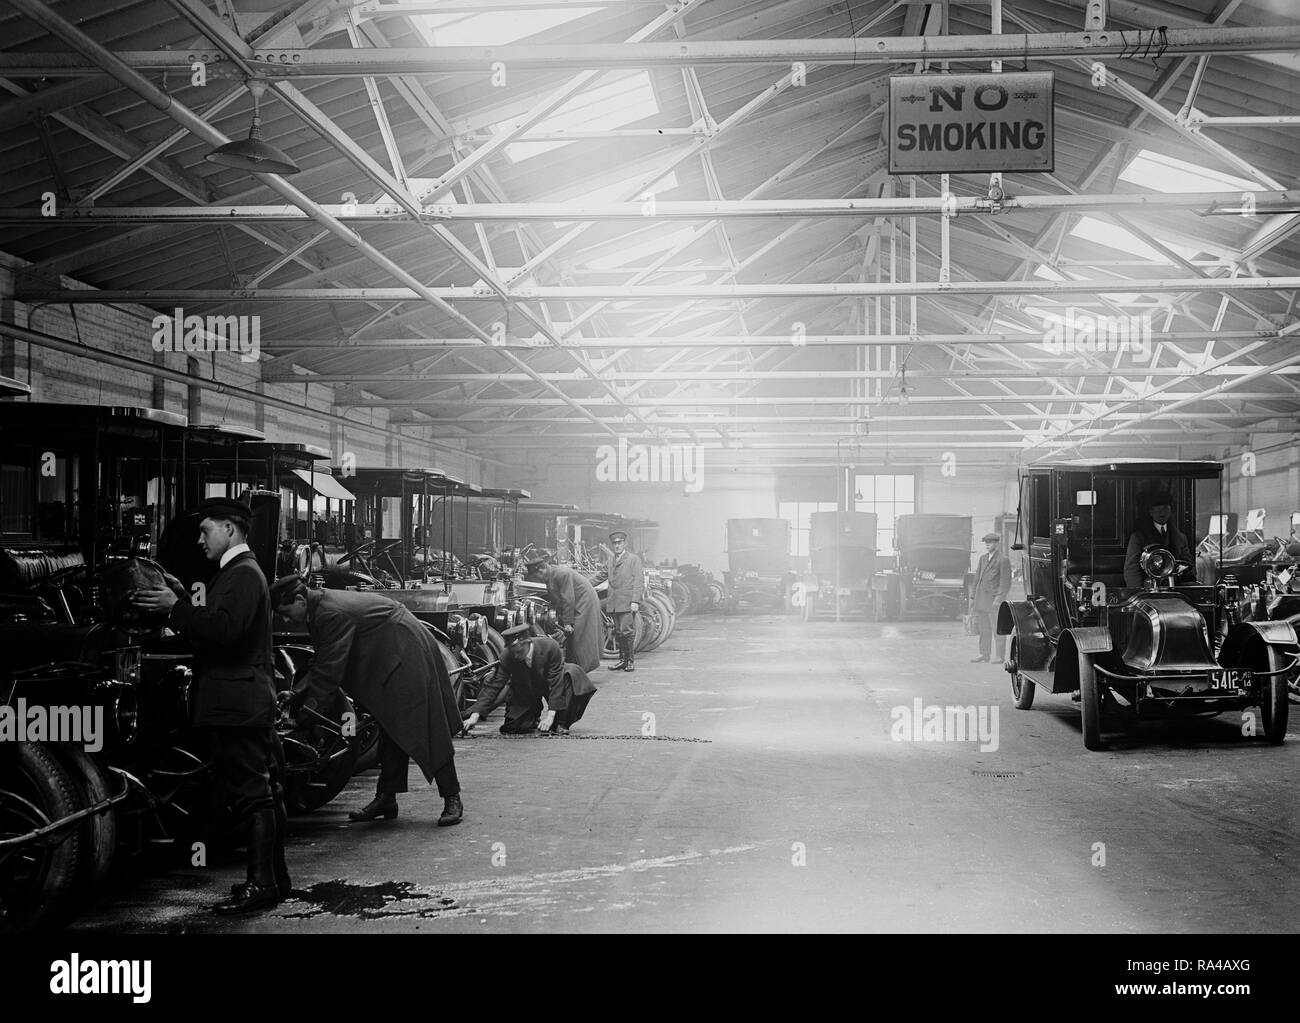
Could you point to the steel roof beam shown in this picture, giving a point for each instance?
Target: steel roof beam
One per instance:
(647, 292)
(284, 63)
(718, 209)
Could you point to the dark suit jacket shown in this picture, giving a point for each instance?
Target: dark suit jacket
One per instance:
(576, 604)
(992, 581)
(544, 678)
(231, 637)
(1144, 534)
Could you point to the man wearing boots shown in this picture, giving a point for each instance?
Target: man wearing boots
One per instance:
(535, 670)
(626, 591)
(386, 659)
(230, 631)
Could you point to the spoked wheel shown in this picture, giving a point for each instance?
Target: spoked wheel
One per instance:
(317, 773)
(38, 880)
(654, 625)
(1090, 704)
(1274, 708)
(1022, 688)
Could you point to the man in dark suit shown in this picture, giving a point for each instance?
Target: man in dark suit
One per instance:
(228, 623)
(535, 670)
(1156, 527)
(990, 589)
(386, 658)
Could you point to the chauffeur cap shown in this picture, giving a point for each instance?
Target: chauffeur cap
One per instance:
(224, 508)
(990, 536)
(536, 562)
(517, 630)
(618, 534)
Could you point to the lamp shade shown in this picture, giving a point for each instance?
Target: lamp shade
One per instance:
(252, 154)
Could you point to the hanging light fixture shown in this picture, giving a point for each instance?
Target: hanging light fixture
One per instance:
(252, 154)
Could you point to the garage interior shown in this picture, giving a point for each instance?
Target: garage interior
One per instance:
(533, 246)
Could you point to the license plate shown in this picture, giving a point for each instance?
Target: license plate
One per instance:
(845, 591)
(928, 576)
(751, 575)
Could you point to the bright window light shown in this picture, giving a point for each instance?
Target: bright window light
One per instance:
(635, 253)
(624, 100)
(494, 28)
(616, 191)
(1115, 237)
(1165, 174)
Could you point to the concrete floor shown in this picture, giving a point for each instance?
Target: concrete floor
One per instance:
(772, 797)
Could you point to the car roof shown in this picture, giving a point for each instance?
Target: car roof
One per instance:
(1135, 467)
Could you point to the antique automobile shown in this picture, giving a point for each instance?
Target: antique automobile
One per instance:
(929, 575)
(758, 563)
(89, 495)
(1168, 647)
(842, 559)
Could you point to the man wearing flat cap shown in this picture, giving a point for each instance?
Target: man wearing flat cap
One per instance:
(386, 658)
(626, 577)
(1155, 526)
(229, 627)
(535, 670)
(991, 586)
(576, 607)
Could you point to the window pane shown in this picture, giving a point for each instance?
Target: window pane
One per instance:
(885, 541)
(884, 488)
(15, 499)
(865, 488)
(903, 487)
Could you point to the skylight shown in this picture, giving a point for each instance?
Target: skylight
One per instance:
(1115, 237)
(1165, 174)
(494, 28)
(622, 100)
(634, 253)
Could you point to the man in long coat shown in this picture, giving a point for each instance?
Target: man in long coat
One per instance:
(576, 607)
(991, 586)
(626, 577)
(535, 670)
(389, 661)
(230, 631)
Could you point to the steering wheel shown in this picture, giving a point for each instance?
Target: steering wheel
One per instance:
(1159, 563)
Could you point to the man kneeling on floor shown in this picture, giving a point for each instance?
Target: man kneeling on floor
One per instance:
(534, 669)
(387, 660)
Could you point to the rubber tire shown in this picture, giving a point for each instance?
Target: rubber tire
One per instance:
(654, 627)
(1022, 689)
(1274, 708)
(666, 619)
(304, 793)
(672, 613)
(1090, 705)
(32, 769)
(98, 833)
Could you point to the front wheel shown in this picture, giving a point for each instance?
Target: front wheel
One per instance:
(38, 880)
(1089, 704)
(1022, 688)
(1274, 706)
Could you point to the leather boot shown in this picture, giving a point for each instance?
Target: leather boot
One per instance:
(260, 890)
(452, 811)
(383, 805)
(630, 661)
(282, 882)
(622, 653)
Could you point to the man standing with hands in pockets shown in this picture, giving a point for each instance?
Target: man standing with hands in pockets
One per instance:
(991, 586)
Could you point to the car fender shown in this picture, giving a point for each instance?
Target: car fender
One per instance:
(1243, 636)
(1088, 639)
(1033, 645)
